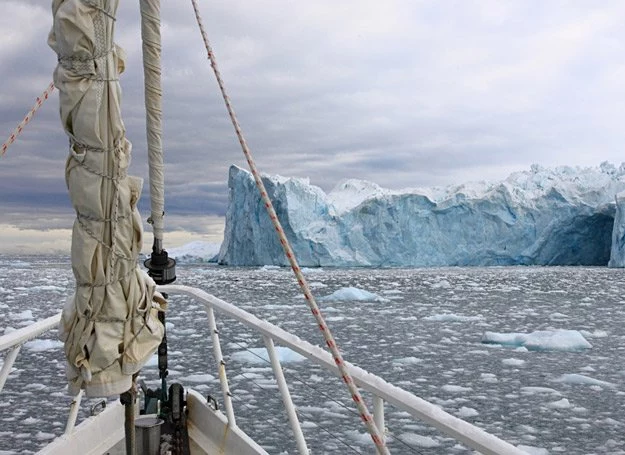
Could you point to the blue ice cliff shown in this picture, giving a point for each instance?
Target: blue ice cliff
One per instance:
(559, 216)
(617, 259)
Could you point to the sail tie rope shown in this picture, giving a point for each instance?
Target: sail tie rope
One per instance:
(17, 131)
(329, 339)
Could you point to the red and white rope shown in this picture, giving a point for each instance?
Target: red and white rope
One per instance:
(17, 131)
(329, 339)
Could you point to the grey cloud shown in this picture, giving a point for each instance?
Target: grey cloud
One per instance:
(401, 93)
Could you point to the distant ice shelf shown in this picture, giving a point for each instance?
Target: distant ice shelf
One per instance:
(559, 216)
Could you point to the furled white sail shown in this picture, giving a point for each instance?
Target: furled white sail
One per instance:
(110, 326)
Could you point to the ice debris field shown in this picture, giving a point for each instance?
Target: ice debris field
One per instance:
(420, 329)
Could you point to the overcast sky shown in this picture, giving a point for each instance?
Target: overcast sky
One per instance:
(404, 93)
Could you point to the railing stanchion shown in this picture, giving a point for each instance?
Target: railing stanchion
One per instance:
(221, 366)
(286, 397)
(378, 414)
(7, 365)
(73, 412)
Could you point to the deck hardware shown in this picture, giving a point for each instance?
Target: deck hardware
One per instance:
(212, 402)
(97, 408)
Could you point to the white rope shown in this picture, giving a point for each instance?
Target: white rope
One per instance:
(330, 342)
(151, 37)
(17, 131)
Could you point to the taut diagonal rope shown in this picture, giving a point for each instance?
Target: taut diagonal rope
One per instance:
(329, 339)
(17, 131)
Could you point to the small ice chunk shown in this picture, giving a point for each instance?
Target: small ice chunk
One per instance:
(455, 388)
(465, 412)
(43, 345)
(442, 284)
(533, 450)
(407, 360)
(538, 390)
(31, 421)
(489, 378)
(513, 362)
(448, 317)
(26, 314)
(199, 378)
(260, 355)
(560, 404)
(43, 436)
(419, 440)
(352, 293)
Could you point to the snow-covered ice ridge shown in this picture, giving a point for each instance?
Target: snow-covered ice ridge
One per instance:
(544, 216)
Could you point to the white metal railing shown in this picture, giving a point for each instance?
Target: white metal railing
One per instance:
(14, 341)
(382, 391)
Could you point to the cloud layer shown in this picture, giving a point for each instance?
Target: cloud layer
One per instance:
(404, 93)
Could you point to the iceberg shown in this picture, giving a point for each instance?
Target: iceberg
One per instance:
(541, 340)
(194, 252)
(544, 216)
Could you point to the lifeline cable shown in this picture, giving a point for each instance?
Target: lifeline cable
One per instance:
(17, 131)
(338, 358)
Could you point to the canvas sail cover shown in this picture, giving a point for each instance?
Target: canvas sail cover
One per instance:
(110, 325)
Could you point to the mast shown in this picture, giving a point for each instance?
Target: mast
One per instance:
(160, 267)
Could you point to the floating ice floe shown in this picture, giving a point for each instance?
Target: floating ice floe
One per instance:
(465, 412)
(450, 317)
(455, 388)
(260, 355)
(47, 288)
(199, 378)
(539, 390)
(560, 404)
(443, 284)
(419, 440)
(407, 361)
(541, 340)
(26, 314)
(513, 362)
(533, 450)
(43, 345)
(353, 294)
(583, 380)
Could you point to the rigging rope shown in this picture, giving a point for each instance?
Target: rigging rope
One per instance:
(17, 131)
(314, 308)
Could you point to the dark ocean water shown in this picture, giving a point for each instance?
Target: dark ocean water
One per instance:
(423, 334)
